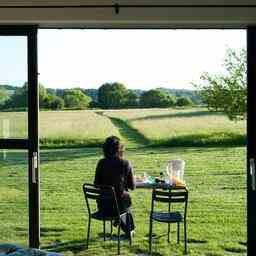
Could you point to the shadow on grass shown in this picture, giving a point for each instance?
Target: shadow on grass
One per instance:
(68, 154)
(15, 158)
(196, 241)
(74, 246)
(175, 115)
(77, 246)
(44, 232)
(242, 243)
(10, 156)
(234, 249)
(213, 254)
(55, 232)
(235, 188)
(205, 140)
(141, 252)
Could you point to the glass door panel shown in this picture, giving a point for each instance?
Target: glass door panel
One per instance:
(14, 164)
(13, 87)
(13, 196)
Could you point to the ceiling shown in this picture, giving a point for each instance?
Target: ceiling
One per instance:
(129, 14)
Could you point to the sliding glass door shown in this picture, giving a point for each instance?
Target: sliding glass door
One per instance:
(251, 147)
(19, 169)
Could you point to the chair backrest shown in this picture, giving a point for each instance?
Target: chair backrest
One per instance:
(171, 196)
(101, 194)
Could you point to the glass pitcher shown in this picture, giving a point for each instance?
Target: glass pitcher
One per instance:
(175, 170)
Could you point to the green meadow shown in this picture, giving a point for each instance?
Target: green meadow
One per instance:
(154, 127)
(215, 174)
(183, 127)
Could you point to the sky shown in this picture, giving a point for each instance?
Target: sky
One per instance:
(140, 59)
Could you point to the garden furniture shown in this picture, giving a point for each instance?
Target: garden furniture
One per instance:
(170, 197)
(106, 193)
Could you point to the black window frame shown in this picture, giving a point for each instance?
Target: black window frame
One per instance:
(31, 143)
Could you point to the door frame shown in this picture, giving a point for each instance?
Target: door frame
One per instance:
(31, 144)
(251, 146)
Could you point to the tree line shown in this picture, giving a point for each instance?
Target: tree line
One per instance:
(108, 96)
(225, 92)
(116, 96)
(48, 99)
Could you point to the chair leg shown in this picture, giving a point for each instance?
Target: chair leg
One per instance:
(130, 235)
(185, 237)
(104, 229)
(178, 232)
(150, 235)
(118, 242)
(88, 232)
(169, 232)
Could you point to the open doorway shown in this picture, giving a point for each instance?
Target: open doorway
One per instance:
(72, 132)
(136, 61)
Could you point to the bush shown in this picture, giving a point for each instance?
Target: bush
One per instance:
(156, 99)
(184, 101)
(56, 102)
(76, 99)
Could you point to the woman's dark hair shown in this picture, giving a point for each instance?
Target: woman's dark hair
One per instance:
(111, 146)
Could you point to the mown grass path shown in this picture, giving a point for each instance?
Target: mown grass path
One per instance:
(132, 138)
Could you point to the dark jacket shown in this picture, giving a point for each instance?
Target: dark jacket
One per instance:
(117, 173)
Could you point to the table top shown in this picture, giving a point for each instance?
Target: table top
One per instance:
(141, 184)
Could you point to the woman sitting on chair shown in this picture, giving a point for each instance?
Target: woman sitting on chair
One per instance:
(114, 171)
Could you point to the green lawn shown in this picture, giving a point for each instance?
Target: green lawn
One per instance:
(216, 214)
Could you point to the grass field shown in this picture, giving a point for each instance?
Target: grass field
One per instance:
(63, 128)
(215, 175)
(216, 214)
(136, 127)
(183, 127)
(74, 128)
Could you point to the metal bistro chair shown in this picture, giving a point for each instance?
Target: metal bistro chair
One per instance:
(106, 193)
(175, 195)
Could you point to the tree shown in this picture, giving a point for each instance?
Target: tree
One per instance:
(3, 96)
(43, 97)
(56, 103)
(131, 99)
(76, 99)
(184, 101)
(226, 92)
(170, 100)
(93, 93)
(53, 102)
(46, 100)
(156, 99)
(18, 99)
(112, 95)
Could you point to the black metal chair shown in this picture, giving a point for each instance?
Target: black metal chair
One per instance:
(171, 196)
(107, 195)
